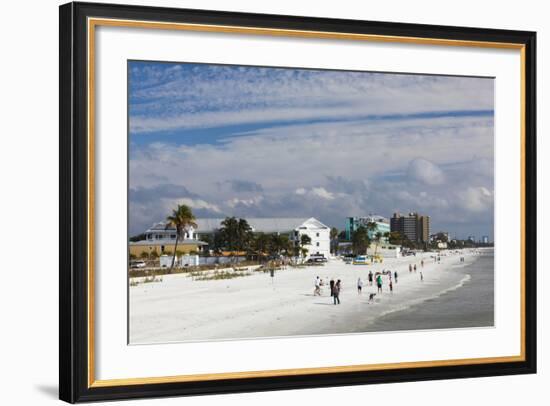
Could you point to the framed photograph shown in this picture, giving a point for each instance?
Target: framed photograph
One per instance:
(258, 202)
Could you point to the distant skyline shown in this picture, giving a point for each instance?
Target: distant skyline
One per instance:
(281, 142)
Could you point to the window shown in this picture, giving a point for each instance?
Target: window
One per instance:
(173, 236)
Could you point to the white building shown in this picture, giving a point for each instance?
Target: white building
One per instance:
(319, 235)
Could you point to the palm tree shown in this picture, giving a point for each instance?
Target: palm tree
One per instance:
(236, 234)
(182, 219)
(304, 240)
(377, 238)
(244, 235)
(395, 238)
(372, 228)
(260, 245)
(360, 241)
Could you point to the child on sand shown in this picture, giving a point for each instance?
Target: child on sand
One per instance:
(370, 278)
(359, 285)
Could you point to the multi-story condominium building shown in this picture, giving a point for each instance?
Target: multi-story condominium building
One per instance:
(162, 238)
(413, 226)
(353, 223)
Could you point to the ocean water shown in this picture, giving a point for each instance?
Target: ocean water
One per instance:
(471, 305)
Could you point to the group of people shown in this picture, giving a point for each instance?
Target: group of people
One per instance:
(412, 267)
(380, 282)
(379, 278)
(335, 288)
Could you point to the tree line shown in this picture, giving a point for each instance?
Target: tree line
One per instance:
(235, 236)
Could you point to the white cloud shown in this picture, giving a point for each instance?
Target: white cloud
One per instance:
(197, 204)
(426, 172)
(316, 192)
(217, 95)
(322, 193)
(243, 202)
(476, 199)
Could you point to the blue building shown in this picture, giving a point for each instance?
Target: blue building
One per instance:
(353, 223)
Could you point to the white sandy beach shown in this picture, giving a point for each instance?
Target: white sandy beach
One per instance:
(181, 309)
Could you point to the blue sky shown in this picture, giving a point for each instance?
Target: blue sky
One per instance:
(269, 142)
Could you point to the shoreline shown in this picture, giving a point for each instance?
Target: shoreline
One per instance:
(469, 305)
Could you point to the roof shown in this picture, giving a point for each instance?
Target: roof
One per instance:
(259, 225)
(170, 242)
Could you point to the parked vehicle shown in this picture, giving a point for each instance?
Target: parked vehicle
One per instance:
(317, 258)
(137, 264)
(361, 260)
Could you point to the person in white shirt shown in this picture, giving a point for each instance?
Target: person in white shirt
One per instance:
(317, 291)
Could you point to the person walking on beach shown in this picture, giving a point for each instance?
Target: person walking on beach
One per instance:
(370, 278)
(359, 286)
(410, 268)
(317, 291)
(422, 263)
(391, 287)
(332, 287)
(395, 276)
(414, 267)
(421, 277)
(379, 284)
(336, 291)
